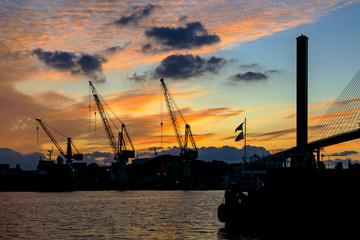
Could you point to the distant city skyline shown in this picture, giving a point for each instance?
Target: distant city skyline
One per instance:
(223, 61)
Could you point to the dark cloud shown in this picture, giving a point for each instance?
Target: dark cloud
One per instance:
(194, 35)
(214, 64)
(226, 153)
(248, 77)
(256, 67)
(146, 48)
(345, 153)
(249, 66)
(251, 76)
(268, 72)
(114, 49)
(31, 161)
(138, 78)
(85, 64)
(92, 67)
(58, 59)
(101, 158)
(183, 18)
(26, 162)
(136, 16)
(186, 66)
(181, 67)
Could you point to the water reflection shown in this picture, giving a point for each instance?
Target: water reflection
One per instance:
(110, 215)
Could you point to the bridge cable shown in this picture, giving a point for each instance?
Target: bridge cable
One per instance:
(341, 115)
(335, 110)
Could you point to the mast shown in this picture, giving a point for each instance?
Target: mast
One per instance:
(245, 142)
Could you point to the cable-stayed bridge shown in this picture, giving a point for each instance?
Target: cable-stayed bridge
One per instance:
(340, 123)
(283, 186)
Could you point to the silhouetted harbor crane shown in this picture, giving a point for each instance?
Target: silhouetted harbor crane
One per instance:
(119, 149)
(185, 151)
(69, 155)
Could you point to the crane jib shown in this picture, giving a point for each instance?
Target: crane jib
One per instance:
(183, 144)
(118, 147)
(68, 155)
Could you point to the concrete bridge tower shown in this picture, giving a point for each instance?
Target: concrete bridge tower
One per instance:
(304, 157)
(302, 93)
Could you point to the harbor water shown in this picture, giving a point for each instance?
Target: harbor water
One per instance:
(111, 215)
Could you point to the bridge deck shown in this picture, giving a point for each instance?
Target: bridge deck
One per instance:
(339, 138)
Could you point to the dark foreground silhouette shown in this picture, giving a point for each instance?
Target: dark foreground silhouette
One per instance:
(297, 203)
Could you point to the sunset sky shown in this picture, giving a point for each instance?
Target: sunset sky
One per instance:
(223, 61)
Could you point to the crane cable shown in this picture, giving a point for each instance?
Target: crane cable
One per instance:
(108, 116)
(37, 133)
(62, 134)
(89, 111)
(57, 131)
(108, 108)
(161, 115)
(176, 107)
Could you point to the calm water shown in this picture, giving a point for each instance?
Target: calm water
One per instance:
(111, 215)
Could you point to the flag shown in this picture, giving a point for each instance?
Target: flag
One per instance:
(239, 137)
(239, 127)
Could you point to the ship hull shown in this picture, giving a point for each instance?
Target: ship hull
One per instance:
(292, 201)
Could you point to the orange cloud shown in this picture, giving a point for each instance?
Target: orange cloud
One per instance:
(84, 25)
(137, 99)
(71, 117)
(216, 114)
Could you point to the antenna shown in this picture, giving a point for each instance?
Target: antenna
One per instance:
(95, 123)
(50, 152)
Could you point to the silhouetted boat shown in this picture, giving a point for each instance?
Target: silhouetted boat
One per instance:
(287, 201)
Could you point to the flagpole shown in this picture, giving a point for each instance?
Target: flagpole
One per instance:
(245, 142)
(241, 136)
